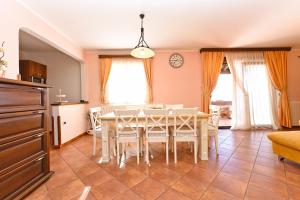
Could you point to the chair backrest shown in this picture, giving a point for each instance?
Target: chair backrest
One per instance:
(174, 106)
(215, 118)
(94, 114)
(156, 121)
(126, 121)
(185, 120)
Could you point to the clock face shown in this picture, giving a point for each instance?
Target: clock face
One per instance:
(176, 60)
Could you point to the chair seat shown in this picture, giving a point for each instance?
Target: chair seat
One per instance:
(130, 133)
(185, 135)
(160, 135)
(140, 126)
(184, 131)
(133, 135)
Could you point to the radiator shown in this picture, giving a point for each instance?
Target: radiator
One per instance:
(295, 112)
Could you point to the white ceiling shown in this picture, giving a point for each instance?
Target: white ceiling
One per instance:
(29, 43)
(174, 24)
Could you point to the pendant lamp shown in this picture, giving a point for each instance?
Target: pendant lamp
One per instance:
(142, 50)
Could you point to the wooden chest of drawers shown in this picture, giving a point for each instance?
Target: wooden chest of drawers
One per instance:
(24, 137)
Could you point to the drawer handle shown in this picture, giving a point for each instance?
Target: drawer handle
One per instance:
(37, 112)
(38, 159)
(39, 135)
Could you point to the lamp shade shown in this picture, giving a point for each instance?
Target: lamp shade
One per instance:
(142, 52)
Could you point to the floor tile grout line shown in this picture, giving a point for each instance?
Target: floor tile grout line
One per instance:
(168, 187)
(183, 176)
(253, 167)
(219, 171)
(72, 168)
(286, 181)
(68, 167)
(114, 177)
(259, 138)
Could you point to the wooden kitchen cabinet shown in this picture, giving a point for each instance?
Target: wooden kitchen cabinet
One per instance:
(33, 71)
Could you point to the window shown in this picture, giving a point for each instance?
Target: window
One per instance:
(223, 90)
(127, 82)
(258, 87)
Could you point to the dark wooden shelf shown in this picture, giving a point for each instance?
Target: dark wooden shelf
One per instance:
(27, 83)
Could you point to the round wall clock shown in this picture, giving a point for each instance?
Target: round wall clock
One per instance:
(176, 60)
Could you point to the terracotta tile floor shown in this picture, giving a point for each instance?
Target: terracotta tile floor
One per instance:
(245, 169)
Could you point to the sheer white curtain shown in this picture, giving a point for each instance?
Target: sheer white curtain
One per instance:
(254, 98)
(127, 82)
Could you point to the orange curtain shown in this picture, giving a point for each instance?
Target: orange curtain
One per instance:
(105, 66)
(148, 72)
(211, 63)
(277, 68)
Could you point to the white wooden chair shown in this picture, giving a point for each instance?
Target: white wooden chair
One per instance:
(171, 107)
(127, 130)
(213, 127)
(156, 129)
(96, 125)
(95, 113)
(185, 129)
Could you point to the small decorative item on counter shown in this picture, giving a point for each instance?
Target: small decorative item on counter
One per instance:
(60, 97)
(3, 63)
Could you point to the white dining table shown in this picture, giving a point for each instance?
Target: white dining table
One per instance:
(109, 118)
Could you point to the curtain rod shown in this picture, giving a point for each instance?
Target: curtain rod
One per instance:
(246, 49)
(116, 56)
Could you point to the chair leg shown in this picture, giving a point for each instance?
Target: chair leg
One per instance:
(208, 141)
(172, 146)
(124, 149)
(217, 144)
(115, 146)
(195, 150)
(150, 154)
(94, 143)
(118, 153)
(280, 158)
(138, 150)
(167, 152)
(147, 152)
(175, 151)
(141, 145)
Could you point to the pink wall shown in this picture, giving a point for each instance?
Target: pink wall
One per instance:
(91, 78)
(15, 17)
(176, 86)
(294, 75)
(170, 86)
(181, 85)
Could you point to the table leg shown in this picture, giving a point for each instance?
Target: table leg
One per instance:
(204, 140)
(105, 142)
